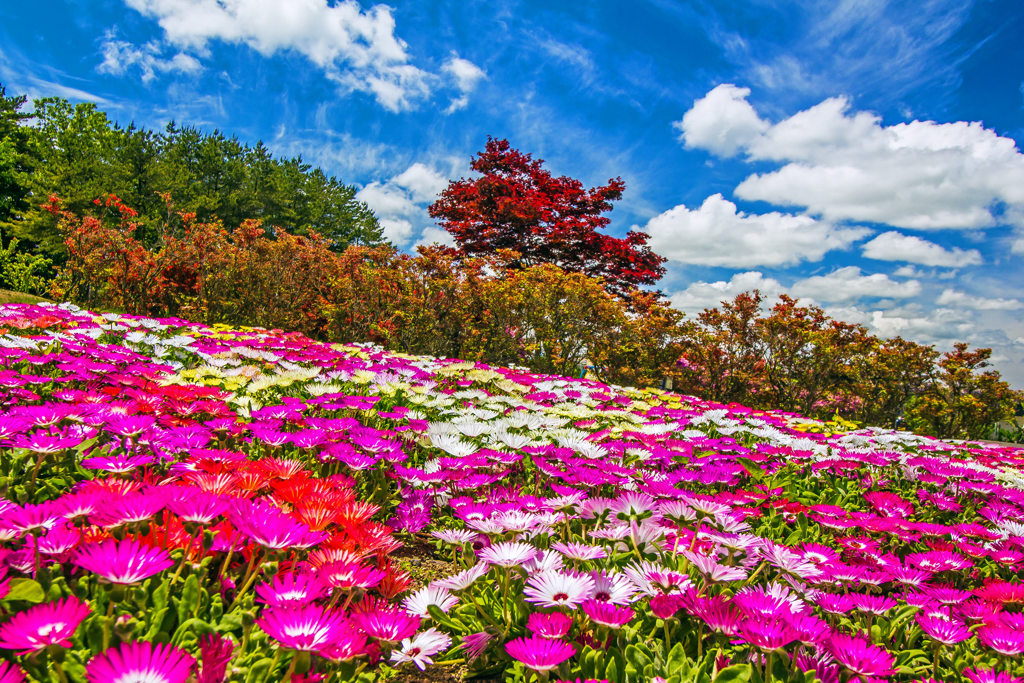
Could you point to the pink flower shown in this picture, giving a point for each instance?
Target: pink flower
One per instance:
(1005, 641)
(10, 673)
(39, 627)
(859, 655)
(140, 662)
(306, 628)
(291, 589)
(554, 625)
(943, 630)
(387, 624)
(123, 562)
(607, 614)
(215, 652)
(539, 654)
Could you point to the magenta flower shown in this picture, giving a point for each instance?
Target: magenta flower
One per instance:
(215, 653)
(539, 654)
(307, 628)
(859, 655)
(123, 562)
(607, 614)
(142, 662)
(718, 613)
(269, 527)
(291, 589)
(942, 630)
(10, 673)
(554, 625)
(387, 624)
(475, 643)
(990, 676)
(666, 606)
(1005, 641)
(38, 627)
(768, 633)
(194, 505)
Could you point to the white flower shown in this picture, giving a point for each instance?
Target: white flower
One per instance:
(418, 602)
(420, 649)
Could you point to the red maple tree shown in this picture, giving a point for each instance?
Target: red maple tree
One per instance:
(517, 205)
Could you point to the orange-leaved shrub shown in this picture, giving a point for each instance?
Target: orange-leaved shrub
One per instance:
(440, 302)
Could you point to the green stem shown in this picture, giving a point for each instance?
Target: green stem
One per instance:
(106, 623)
(250, 578)
(273, 666)
(291, 668)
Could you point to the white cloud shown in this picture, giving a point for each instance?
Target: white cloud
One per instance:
(849, 284)
(356, 48)
(939, 325)
(716, 234)
(722, 121)
(848, 166)
(895, 246)
(400, 202)
(952, 297)
(434, 235)
(701, 295)
(119, 56)
(466, 76)
(423, 182)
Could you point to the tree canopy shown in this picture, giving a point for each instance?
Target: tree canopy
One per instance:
(74, 151)
(517, 205)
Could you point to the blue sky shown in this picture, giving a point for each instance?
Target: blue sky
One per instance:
(863, 155)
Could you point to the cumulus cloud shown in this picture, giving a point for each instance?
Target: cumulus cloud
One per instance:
(722, 122)
(400, 202)
(701, 295)
(895, 246)
(422, 182)
(434, 235)
(119, 56)
(466, 76)
(938, 325)
(952, 297)
(849, 284)
(358, 49)
(843, 165)
(717, 234)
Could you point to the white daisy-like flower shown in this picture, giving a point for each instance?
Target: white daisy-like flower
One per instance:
(419, 602)
(508, 553)
(463, 579)
(421, 648)
(558, 589)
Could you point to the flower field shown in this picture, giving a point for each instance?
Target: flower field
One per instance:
(192, 503)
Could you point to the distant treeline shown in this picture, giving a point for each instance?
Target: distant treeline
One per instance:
(75, 152)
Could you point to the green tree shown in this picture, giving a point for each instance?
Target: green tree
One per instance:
(964, 399)
(18, 156)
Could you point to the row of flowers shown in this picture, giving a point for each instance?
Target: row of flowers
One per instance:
(186, 502)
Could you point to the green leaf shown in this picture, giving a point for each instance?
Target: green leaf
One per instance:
(155, 621)
(25, 590)
(755, 471)
(258, 671)
(677, 659)
(160, 595)
(611, 670)
(443, 619)
(189, 602)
